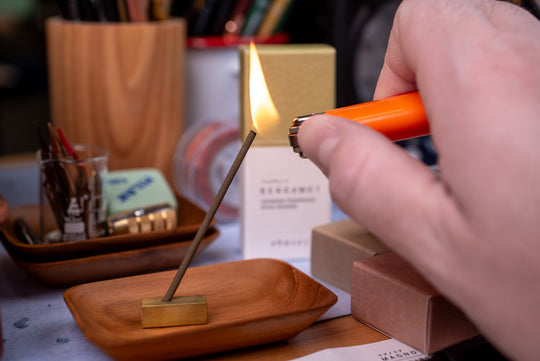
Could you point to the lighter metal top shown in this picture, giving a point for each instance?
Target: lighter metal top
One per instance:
(293, 133)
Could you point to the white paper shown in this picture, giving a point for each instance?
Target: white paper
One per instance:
(387, 350)
(282, 198)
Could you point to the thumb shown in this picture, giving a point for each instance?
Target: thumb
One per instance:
(378, 183)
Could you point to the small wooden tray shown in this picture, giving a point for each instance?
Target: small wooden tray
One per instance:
(189, 219)
(111, 265)
(249, 303)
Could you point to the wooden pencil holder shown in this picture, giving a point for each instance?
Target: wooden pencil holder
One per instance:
(119, 86)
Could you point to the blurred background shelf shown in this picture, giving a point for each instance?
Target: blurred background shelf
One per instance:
(24, 95)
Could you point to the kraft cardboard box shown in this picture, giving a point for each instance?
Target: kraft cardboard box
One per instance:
(388, 294)
(336, 246)
(282, 197)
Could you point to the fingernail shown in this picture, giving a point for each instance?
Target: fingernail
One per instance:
(318, 137)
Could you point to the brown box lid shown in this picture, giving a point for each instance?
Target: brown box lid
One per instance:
(391, 296)
(334, 248)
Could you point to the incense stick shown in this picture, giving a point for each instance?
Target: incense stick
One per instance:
(209, 216)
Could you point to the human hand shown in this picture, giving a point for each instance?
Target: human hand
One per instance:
(474, 230)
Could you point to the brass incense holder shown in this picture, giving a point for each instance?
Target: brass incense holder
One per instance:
(189, 310)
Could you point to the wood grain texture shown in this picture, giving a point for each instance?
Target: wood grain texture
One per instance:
(110, 265)
(339, 332)
(189, 217)
(249, 303)
(120, 86)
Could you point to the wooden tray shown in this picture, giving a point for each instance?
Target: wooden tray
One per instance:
(249, 303)
(189, 219)
(111, 265)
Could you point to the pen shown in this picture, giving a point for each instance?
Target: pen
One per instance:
(66, 145)
(24, 232)
(398, 117)
(160, 9)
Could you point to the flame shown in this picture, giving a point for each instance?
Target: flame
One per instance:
(263, 112)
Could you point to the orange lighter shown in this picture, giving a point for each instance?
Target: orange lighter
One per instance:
(398, 117)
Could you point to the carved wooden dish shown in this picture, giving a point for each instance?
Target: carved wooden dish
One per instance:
(249, 303)
(189, 220)
(111, 265)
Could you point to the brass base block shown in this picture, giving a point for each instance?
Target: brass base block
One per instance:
(180, 311)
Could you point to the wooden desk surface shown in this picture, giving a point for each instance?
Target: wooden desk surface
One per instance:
(338, 332)
(22, 296)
